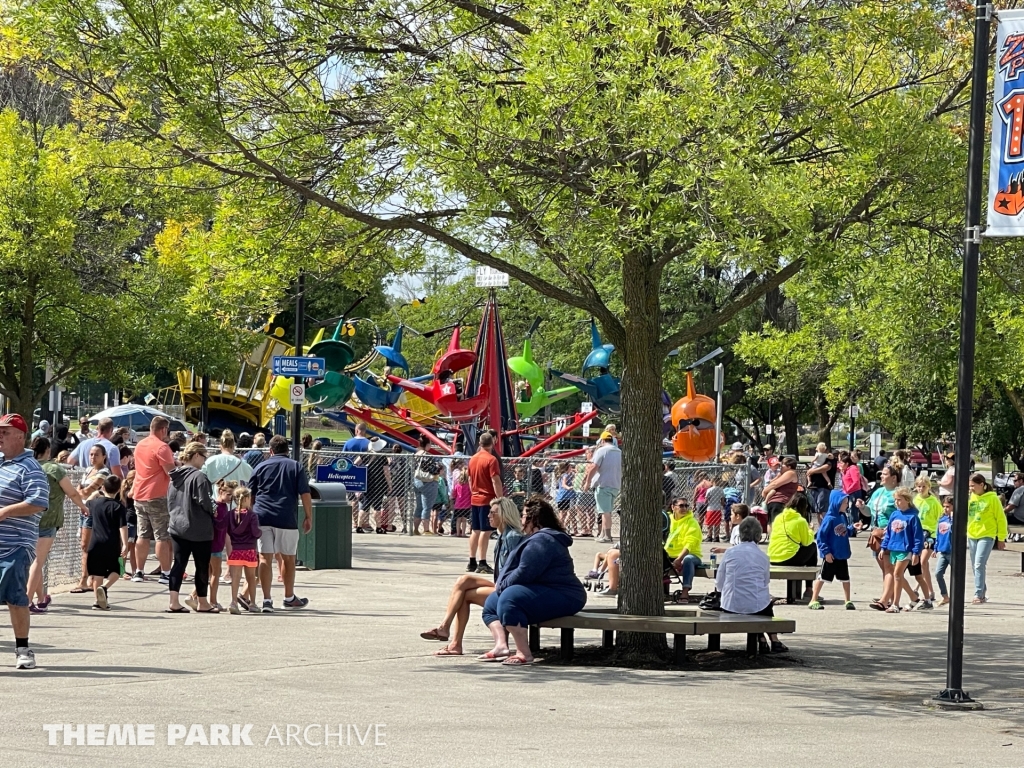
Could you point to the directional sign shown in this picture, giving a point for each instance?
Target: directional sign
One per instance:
(302, 367)
(298, 393)
(343, 471)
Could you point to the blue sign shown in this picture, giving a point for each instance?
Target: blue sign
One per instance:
(301, 367)
(343, 471)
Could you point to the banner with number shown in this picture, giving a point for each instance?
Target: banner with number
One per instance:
(1006, 170)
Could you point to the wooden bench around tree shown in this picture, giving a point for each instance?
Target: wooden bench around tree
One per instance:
(791, 574)
(678, 622)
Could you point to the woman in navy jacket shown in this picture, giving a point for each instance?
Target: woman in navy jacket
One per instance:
(537, 583)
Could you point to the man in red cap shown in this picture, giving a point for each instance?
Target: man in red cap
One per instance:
(24, 496)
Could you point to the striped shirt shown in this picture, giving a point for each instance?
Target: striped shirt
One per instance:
(21, 479)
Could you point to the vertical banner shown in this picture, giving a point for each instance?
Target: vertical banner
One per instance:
(1006, 170)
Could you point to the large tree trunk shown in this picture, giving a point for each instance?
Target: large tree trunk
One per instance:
(998, 465)
(641, 542)
(792, 427)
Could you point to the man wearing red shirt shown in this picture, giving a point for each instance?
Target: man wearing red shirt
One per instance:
(485, 483)
(153, 464)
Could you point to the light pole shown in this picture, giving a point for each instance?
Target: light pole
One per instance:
(953, 694)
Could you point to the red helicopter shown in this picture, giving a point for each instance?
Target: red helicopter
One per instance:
(443, 390)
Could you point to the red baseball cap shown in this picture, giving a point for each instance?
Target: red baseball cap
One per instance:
(773, 461)
(14, 420)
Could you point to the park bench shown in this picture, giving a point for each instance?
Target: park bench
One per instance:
(791, 574)
(678, 622)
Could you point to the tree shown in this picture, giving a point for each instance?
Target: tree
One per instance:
(660, 167)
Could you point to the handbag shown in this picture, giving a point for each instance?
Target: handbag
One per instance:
(712, 601)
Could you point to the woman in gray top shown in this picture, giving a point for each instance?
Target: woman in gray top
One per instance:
(190, 503)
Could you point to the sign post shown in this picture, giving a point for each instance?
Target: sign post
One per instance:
(954, 695)
(719, 386)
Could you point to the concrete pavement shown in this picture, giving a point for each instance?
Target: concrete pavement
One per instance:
(353, 660)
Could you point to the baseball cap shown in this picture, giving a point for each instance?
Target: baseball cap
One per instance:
(737, 446)
(606, 435)
(773, 461)
(14, 420)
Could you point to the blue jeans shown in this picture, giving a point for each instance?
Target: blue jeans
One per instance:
(426, 495)
(690, 563)
(524, 604)
(980, 549)
(14, 577)
(941, 564)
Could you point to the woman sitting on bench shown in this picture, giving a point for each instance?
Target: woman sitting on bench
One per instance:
(743, 577)
(538, 583)
(473, 589)
(792, 542)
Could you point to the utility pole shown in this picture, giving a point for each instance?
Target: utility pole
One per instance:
(953, 694)
(300, 332)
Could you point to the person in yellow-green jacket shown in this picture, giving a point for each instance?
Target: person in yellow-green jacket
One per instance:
(791, 541)
(986, 529)
(682, 547)
(929, 510)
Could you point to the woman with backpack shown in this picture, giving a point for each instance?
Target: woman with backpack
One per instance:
(428, 471)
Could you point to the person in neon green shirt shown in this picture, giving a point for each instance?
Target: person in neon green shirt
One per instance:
(791, 541)
(986, 529)
(929, 510)
(682, 548)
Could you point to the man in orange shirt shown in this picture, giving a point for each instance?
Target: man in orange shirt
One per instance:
(485, 483)
(153, 464)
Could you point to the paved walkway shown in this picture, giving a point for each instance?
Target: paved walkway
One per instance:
(354, 658)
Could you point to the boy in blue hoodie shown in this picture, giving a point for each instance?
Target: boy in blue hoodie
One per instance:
(833, 539)
(944, 546)
(902, 544)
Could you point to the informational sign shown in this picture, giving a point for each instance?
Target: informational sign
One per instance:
(586, 407)
(487, 277)
(767, 429)
(343, 471)
(560, 424)
(586, 429)
(302, 367)
(1006, 166)
(297, 393)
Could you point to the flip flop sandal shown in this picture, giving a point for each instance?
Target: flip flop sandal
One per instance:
(490, 657)
(434, 635)
(212, 609)
(179, 609)
(80, 590)
(878, 605)
(447, 652)
(515, 661)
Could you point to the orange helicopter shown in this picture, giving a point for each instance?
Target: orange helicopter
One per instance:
(695, 418)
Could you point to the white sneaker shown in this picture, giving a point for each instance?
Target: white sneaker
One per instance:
(138, 577)
(609, 592)
(25, 659)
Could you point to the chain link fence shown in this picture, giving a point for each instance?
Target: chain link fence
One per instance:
(392, 497)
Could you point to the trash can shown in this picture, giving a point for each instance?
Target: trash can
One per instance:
(329, 544)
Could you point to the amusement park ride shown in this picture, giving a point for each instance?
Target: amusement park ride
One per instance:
(467, 390)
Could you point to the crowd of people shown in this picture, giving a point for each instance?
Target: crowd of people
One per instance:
(233, 512)
(172, 496)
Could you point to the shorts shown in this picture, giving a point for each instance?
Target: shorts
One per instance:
(605, 498)
(929, 542)
(898, 557)
(462, 514)
(243, 557)
(837, 569)
(914, 570)
(14, 577)
(563, 505)
(133, 533)
(85, 521)
(774, 510)
(153, 519)
(479, 521)
(218, 555)
(48, 533)
(284, 541)
(713, 517)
